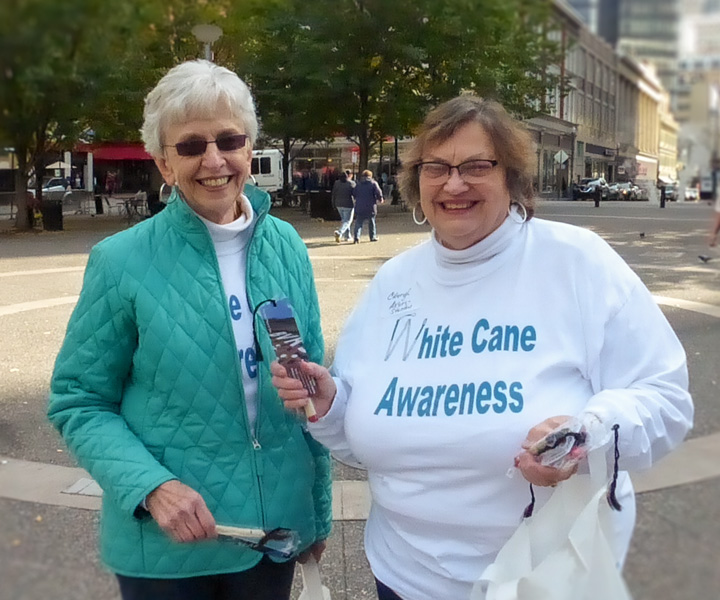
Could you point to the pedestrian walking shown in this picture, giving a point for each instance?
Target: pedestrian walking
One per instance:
(367, 195)
(342, 200)
(468, 349)
(162, 387)
(715, 228)
(663, 195)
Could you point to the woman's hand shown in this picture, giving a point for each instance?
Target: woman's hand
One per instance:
(316, 551)
(529, 464)
(295, 396)
(181, 512)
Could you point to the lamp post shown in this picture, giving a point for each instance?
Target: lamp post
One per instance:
(207, 34)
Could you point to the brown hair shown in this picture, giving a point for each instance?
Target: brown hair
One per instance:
(514, 148)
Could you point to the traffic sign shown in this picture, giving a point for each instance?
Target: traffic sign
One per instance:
(561, 156)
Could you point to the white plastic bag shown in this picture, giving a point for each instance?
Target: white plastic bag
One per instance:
(312, 588)
(563, 552)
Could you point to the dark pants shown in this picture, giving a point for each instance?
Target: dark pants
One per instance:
(265, 581)
(384, 592)
(359, 222)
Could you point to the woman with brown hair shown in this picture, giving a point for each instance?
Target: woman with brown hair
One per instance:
(469, 348)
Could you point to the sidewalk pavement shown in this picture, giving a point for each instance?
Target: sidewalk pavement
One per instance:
(49, 506)
(695, 461)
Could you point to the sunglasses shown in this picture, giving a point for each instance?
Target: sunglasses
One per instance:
(226, 143)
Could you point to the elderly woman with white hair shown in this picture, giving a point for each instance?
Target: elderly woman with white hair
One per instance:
(162, 387)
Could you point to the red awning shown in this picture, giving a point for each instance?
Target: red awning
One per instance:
(116, 151)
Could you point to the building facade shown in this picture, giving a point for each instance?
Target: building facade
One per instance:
(589, 102)
(647, 30)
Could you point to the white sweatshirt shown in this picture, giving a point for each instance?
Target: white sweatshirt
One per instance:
(452, 356)
(230, 241)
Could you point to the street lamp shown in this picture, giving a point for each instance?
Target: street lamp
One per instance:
(207, 34)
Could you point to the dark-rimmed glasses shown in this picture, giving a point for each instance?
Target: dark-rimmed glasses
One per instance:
(225, 143)
(471, 171)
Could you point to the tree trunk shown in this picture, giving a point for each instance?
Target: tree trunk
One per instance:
(287, 176)
(23, 220)
(364, 139)
(365, 135)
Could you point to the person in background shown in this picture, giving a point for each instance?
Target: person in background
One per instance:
(715, 229)
(162, 387)
(367, 195)
(342, 199)
(467, 349)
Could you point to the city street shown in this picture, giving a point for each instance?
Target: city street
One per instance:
(47, 532)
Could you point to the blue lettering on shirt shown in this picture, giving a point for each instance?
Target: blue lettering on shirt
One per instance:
(450, 400)
(502, 338)
(248, 360)
(235, 308)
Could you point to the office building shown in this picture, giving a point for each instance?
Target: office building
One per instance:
(647, 30)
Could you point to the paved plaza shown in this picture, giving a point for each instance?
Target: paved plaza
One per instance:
(48, 507)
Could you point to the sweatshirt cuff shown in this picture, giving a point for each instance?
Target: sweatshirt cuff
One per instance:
(337, 408)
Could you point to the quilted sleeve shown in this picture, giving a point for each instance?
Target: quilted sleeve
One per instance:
(314, 344)
(87, 386)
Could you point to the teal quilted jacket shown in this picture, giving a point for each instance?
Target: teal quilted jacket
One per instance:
(147, 388)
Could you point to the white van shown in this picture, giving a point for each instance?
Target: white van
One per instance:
(267, 170)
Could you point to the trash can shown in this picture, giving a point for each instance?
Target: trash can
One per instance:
(321, 205)
(52, 215)
(154, 204)
(99, 205)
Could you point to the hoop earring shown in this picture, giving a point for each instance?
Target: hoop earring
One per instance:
(414, 216)
(519, 219)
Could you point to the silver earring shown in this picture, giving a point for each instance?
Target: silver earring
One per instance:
(424, 219)
(520, 219)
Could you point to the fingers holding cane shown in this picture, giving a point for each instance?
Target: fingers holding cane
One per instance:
(289, 383)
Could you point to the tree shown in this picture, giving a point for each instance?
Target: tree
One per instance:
(277, 57)
(80, 69)
(385, 64)
(55, 56)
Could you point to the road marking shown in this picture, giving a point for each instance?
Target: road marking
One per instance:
(42, 271)
(689, 269)
(357, 279)
(13, 309)
(347, 257)
(698, 307)
(673, 219)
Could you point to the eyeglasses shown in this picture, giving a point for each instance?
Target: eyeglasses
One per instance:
(226, 143)
(471, 171)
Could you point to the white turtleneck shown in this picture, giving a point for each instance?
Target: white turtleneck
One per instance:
(452, 356)
(458, 267)
(231, 242)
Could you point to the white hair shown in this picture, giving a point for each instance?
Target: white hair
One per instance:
(196, 89)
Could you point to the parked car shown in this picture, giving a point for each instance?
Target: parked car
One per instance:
(614, 191)
(589, 187)
(670, 191)
(691, 193)
(627, 191)
(706, 187)
(55, 186)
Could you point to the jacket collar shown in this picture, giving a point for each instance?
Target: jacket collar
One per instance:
(185, 218)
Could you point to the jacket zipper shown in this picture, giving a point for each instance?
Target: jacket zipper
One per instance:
(257, 459)
(256, 462)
